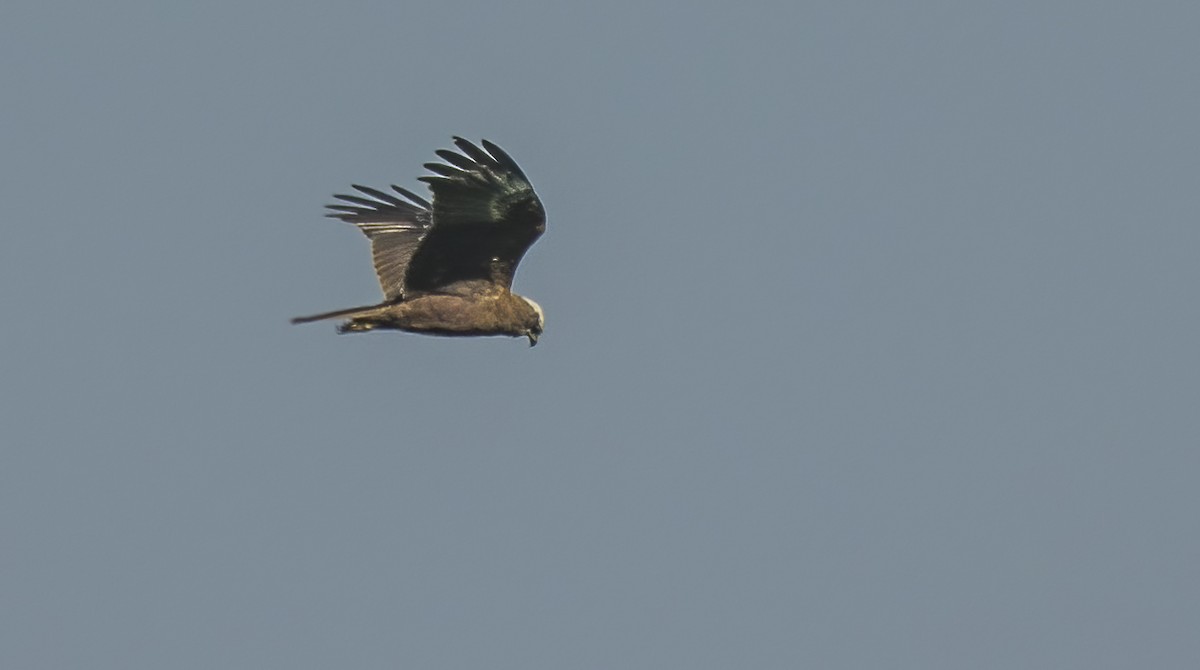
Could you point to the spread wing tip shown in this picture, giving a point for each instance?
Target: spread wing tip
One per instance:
(379, 206)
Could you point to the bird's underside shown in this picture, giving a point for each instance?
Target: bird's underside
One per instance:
(446, 267)
(498, 313)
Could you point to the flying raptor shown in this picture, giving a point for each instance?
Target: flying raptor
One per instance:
(446, 267)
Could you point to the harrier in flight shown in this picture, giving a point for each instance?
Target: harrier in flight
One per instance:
(447, 268)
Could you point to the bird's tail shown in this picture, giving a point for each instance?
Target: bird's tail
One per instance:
(347, 313)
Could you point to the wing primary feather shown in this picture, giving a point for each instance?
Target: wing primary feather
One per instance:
(444, 170)
(504, 159)
(384, 197)
(457, 160)
(372, 204)
(475, 153)
(411, 196)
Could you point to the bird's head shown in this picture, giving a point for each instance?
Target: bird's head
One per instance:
(536, 324)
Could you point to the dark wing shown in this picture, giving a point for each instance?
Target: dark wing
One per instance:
(485, 217)
(395, 227)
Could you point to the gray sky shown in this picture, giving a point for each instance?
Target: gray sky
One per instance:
(871, 339)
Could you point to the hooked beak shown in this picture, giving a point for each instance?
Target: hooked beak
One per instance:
(533, 337)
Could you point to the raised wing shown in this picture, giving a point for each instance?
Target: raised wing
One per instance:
(485, 217)
(395, 227)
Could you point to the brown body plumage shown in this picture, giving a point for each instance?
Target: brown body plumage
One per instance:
(501, 312)
(446, 268)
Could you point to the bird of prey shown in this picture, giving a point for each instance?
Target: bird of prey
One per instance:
(447, 268)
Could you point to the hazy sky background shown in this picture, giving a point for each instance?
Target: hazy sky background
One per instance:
(871, 339)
